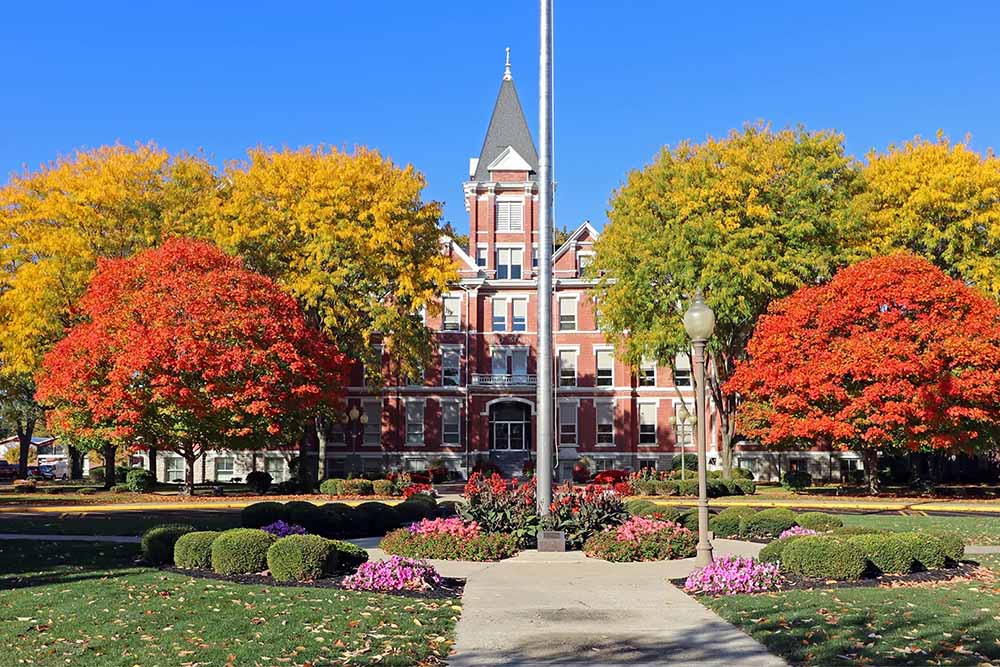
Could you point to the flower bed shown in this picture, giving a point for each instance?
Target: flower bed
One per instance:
(729, 575)
(450, 539)
(394, 574)
(642, 539)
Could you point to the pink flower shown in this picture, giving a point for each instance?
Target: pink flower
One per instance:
(636, 527)
(451, 526)
(393, 574)
(797, 531)
(731, 574)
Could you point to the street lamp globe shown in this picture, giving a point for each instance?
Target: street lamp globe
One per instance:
(353, 414)
(699, 320)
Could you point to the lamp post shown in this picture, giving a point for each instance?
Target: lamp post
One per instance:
(699, 322)
(354, 422)
(683, 419)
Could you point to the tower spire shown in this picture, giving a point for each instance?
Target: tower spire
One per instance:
(506, 71)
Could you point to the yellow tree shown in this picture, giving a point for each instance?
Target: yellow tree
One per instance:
(57, 221)
(350, 237)
(939, 200)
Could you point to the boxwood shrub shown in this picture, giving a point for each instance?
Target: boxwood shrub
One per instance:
(687, 487)
(241, 551)
(158, 542)
(358, 487)
(819, 521)
(689, 518)
(410, 512)
(953, 543)
(259, 481)
(729, 522)
(332, 487)
(823, 557)
(748, 486)
(483, 547)
(262, 514)
(305, 514)
(929, 551)
(349, 556)
(302, 558)
(666, 487)
(799, 479)
(376, 518)
(771, 553)
(140, 480)
(848, 531)
(193, 551)
(646, 487)
(640, 507)
(888, 553)
(770, 523)
(384, 487)
(668, 513)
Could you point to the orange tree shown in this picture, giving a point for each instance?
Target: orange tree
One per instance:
(890, 354)
(184, 349)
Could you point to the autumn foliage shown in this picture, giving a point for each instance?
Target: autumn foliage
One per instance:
(184, 349)
(891, 353)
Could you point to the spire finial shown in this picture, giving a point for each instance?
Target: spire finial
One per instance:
(506, 71)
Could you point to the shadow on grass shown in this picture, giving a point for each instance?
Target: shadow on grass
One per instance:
(116, 523)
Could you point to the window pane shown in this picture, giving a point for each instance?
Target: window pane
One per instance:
(452, 313)
(450, 367)
(647, 374)
(503, 216)
(450, 424)
(414, 422)
(647, 423)
(520, 315)
(605, 368)
(567, 314)
(605, 423)
(567, 368)
(503, 263)
(516, 258)
(567, 424)
(373, 429)
(499, 315)
(481, 257)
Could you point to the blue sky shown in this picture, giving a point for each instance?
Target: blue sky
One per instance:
(418, 80)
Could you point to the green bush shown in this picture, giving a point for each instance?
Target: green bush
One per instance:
(640, 507)
(953, 543)
(771, 553)
(716, 488)
(262, 514)
(87, 491)
(96, 474)
(819, 521)
(732, 487)
(446, 508)
(302, 558)
(823, 557)
(259, 481)
(241, 551)
(483, 547)
(378, 517)
(747, 486)
(689, 519)
(384, 487)
(120, 488)
(158, 542)
(666, 487)
(848, 531)
(742, 473)
(305, 514)
(409, 511)
(770, 523)
(668, 513)
(140, 480)
(121, 474)
(666, 544)
(799, 479)
(888, 553)
(349, 556)
(687, 487)
(193, 551)
(646, 487)
(929, 551)
(729, 522)
(336, 520)
(358, 487)
(332, 487)
(690, 463)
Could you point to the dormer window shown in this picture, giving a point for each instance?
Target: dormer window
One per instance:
(509, 216)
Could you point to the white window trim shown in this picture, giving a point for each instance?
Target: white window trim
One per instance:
(575, 406)
(656, 376)
(451, 348)
(575, 298)
(512, 201)
(597, 422)
(364, 404)
(506, 324)
(575, 349)
(444, 314)
(604, 348)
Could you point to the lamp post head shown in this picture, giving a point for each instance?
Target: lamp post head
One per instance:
(353, 414)
(682, 413)
(364, 419)
(699, 320)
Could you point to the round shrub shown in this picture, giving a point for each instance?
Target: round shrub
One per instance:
(349, 556)
(384, 487)
(259, 481)
(241, 551)
(301, 558)
(332, 487)
(96, 474)
(848, 531)
(690, 463)
(747, 486)
(409, 511)
(799, 479)
(716, 488)
(770, 523)
(335, 520)
(742, 473)
(729, 522)
(929, 551)
(158, 542)
(689, 519)
(358, 487)
(687, 487)
(819, 521)
(953, 543)
(140, 480)
(645, 487)
(732, 488)
(261, 514)
(771, 553)
(824, 558)
(425, 499)
(888, 553)
(668, 513)
(379, 517)
(640, 507)
(120, 488)
(305, 514)
(193, 551)
(666, 487)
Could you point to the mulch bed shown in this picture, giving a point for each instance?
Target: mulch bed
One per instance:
(451, 587)
(966, 571)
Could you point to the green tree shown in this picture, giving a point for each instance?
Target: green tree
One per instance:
(749, 218)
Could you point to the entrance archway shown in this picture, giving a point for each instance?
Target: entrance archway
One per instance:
(510, 427)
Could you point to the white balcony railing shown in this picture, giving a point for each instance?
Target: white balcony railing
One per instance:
(503, 380)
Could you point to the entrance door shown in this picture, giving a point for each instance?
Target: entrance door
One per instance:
(510, 426)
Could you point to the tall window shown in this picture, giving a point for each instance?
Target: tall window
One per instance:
(451, 426)
(373, 429)
(451, 367)
(509, 261)
(275, 467)
(499, 315)
(567, 423)
(567, 314)
(175, 469)
(452, 313)
(534, 256)
(520, 307)
(481, 256)
(647, 373)
(567, 368)
(682, 370)
(509, 216)
(647, 423)
(605, 368)
(414, 422)
(605, 423)
(223, 468)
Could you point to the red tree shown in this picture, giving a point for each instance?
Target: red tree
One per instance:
(891, 353)
(182, 348)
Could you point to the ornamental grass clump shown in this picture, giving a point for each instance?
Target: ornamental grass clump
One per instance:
(730, 575)
(284, 529)
(641, 539)
(394, 574)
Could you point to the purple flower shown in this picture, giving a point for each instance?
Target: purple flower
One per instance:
(394, 574)
(731, 574)
(284, 529)
(797, 531)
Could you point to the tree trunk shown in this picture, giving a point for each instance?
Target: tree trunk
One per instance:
(152, 462)
(321, 442)
(871, 470)
(24, 432)
(189, 460)
(109, 466)
(75, 463)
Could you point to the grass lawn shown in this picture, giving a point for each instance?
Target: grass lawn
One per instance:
(90, 604)
(118, 523)
(983, 530)
(949, 624)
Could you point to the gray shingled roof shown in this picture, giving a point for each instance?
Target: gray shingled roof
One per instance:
(507, 128)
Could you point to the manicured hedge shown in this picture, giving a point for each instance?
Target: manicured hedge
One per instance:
(819, 521)
(302, 558)
(666, 544)
(349, 556)
(158, 542)
(952, 542)
(638, 507)
(193, 551)
(687, 487)
(730, 521)
(796, 480)
(929, 551)
(771, 553)
(848, 531)
(358, 487)
(332, 487)
(383, 487)
(689, 518)
(888, 553)
(262, 514)
(770, 523)
(305, 514)
(378, 518)
(824, 557)
(241, 551)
